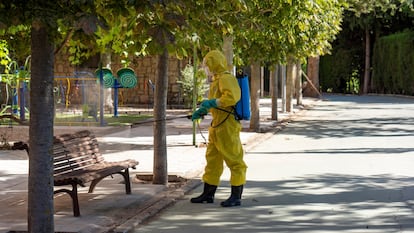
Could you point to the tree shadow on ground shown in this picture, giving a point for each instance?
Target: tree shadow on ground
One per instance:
(310, 203)
(390, 119)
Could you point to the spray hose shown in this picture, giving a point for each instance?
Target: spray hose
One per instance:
(136, 124)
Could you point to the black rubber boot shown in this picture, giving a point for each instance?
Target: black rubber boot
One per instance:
(207, 195)
(235, 197)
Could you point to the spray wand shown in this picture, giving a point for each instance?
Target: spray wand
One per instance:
(136, 124)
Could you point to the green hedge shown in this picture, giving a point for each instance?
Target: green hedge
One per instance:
(393, 64)
(337, 69)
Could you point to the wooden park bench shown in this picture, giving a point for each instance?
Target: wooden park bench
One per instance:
(77, 161)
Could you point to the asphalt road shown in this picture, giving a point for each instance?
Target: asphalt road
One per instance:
(346, 165)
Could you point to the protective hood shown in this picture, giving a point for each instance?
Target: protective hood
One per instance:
(216, 62)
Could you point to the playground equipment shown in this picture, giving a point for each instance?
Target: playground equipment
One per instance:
(126, 78)
(108, 78)
(80, 88)
(17, 79)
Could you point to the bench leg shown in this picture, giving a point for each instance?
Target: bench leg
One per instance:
(74, 195)
(125, 174)
(75, 200)
(127, 181)
(94, 183)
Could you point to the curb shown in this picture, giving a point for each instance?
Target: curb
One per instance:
(154, 206)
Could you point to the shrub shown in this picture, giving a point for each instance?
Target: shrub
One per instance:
(187, 84)
(393, 64)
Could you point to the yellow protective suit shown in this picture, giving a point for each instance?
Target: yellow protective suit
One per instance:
(224, 132)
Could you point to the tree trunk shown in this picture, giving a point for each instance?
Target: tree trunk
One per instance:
(228, 52)
(290, 82)
(367, 61)
(275, 91)
(313, 75)
(282, 72)
(160, 106)
(195, 90)
(255, 97)
(298, 85)
(40, 188)
(108, 100)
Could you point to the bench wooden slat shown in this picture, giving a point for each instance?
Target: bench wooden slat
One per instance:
(87, 175)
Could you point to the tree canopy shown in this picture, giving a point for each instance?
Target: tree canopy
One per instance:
(270, 31)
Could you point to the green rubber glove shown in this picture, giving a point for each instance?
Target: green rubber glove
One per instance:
(209, 104)
(202, 111)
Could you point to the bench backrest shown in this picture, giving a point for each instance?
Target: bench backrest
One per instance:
(75, 151)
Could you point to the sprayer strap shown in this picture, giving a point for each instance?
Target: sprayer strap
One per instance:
(231, 112)
(227, 117)
(224, 110)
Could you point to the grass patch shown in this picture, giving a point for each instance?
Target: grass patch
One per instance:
(79, 120)
(109, 120)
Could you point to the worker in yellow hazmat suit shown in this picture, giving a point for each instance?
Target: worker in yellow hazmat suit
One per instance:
(224, 133)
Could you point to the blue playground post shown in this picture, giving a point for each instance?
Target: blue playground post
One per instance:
(116, 86)
(15, 100)
(22, 101)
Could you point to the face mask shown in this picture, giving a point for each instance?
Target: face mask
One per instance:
(207, 71)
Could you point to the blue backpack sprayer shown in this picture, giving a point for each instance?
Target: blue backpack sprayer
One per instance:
(242, 108)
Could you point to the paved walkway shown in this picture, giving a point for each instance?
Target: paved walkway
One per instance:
(108, 207)
(346, 165)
